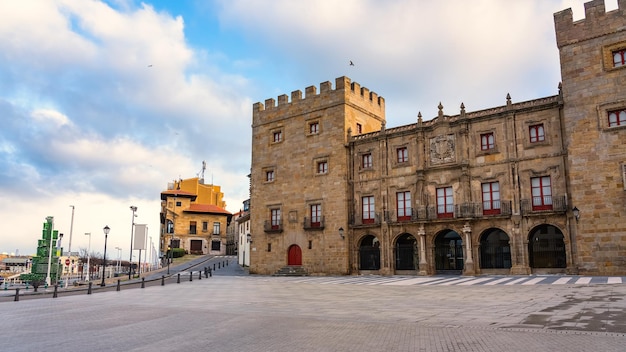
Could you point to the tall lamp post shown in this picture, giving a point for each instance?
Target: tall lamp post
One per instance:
(132, 228)
(69, 249)
(104, 263)
(50, 220)
(88, 256)
(119, 258)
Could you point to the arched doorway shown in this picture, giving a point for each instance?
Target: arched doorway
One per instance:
(448, 253)
(495, 250)
(406, 252)
(369, 253)
(546, 248)
(294, 255)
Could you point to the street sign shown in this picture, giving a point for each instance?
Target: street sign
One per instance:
(67, 262)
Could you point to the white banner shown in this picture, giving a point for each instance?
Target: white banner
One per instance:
(141, 234)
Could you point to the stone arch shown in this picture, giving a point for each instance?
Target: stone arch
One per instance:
(495, 249)
(369, 253)
(546, 247)
(405, 252)
(448, 252)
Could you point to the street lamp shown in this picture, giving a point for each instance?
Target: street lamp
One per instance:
(88, 256)
(104, 263)
(119, 258)
(132, 227)
(50, 220)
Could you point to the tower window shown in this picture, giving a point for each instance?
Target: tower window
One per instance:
(619, 58)
(617, 118)
(537, 133)
(487, 142)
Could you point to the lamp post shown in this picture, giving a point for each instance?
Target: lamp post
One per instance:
(88, 256)
(69, 249)
(104, 263)
(58, 247)
(119, 258)
(132, 228)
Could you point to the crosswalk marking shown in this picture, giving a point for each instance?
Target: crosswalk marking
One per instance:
(562, 281)
(614, 280)
(372, 280)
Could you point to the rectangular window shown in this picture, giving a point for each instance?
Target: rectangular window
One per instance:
(216, 228)
(205, 226)
(322, 167)
(316, 215)
(192, 227)
(269, 175)
(275, 219)
(541, 193)
(170, 226)
(369, 216)
(619, 58)
(278, 136)
(403, 201)
(487, 141)
(445, 203)
(359, 128)
(269, 247)
(314, 128)
(216, 245)
(537, 134)
(491, 198)
(617, 118)
(367, 161)
(403, 154)
(178, 204)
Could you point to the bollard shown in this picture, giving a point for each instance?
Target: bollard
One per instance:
(219, 265)
(206, 272)
(199, 275)
(143, 282)
(210, 272)
(89, 289)
(191, 276)
(55, 294)
(227, 263)
(178, 280)
(17, 295)
(119, 287)
(6, 285)
(213, 266)
(162, 280)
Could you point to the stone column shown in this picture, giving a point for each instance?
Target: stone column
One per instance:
(423, 265)
(469, 262)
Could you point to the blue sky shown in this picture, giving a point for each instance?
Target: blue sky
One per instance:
(103, 103)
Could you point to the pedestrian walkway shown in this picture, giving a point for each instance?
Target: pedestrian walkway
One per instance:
(232, 311)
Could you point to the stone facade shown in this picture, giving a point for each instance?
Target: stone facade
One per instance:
(489, 191)
(190, 218)
(593, 86)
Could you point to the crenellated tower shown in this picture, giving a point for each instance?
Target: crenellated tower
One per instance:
(299, 193)
(593, 70)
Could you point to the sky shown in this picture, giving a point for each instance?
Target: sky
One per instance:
(103, 103)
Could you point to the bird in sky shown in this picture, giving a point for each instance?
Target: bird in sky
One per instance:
(351, 63)
(150, 65)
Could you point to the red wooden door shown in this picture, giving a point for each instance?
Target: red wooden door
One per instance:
(294, 256)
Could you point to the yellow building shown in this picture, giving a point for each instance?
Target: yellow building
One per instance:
(193, 217)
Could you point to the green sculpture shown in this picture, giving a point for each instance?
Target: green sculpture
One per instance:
(44, 261)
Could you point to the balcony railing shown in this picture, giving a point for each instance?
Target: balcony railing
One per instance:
(273, 227)
(310, 224)
(557, 204)
(357, 220)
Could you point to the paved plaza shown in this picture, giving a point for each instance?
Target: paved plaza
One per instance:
(232, 311)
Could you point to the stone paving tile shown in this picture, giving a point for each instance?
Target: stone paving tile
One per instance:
(241, 313)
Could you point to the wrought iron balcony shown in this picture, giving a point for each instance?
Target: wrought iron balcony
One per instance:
(273, 227)
(309, 224)
(550, 204)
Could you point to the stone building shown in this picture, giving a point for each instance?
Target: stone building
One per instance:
(193, 217)
(522, 188)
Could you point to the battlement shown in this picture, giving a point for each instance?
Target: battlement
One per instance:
(345, 92)
(597, 22)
